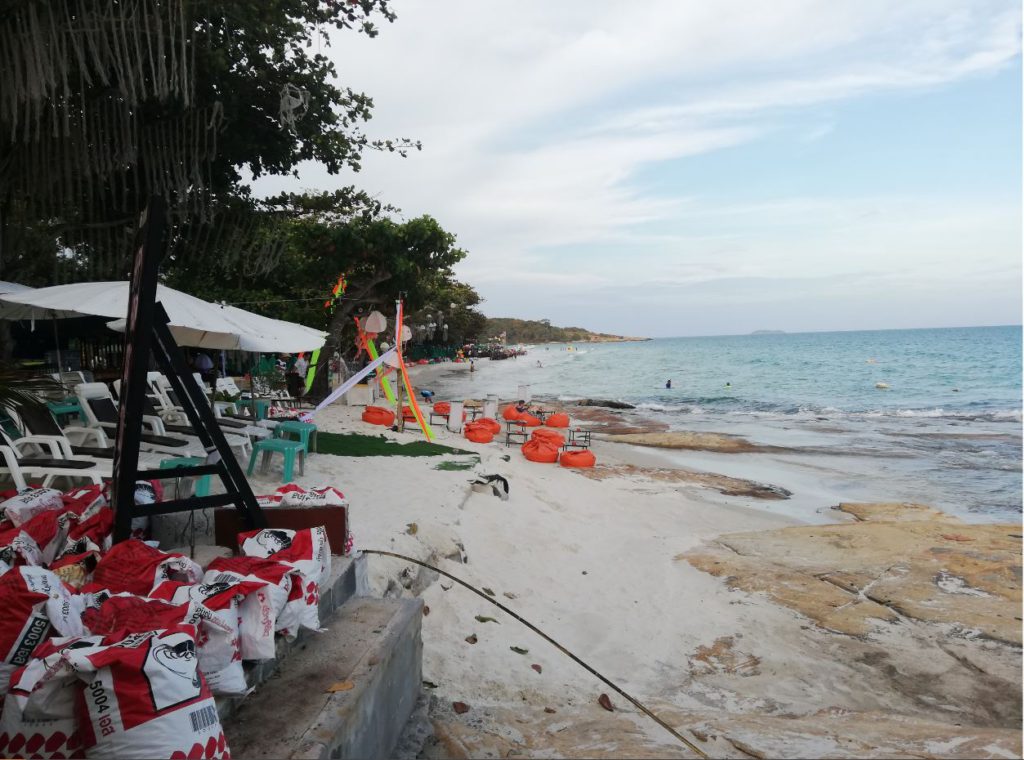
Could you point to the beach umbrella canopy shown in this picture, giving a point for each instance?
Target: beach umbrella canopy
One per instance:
(193, 321)
(13, 287)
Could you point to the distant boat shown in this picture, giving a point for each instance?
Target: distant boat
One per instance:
(882, 386)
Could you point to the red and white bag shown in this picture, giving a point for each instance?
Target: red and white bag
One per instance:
(260, 602)
(145, 696)
(85, 500)
(34, 603)
(307, 550)
(137, 568)
(39, 715)
(23, 507)
(319, 496)
(287, 601)
(220, 654)
(18, 548)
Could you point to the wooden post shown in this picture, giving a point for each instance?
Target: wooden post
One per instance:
(398, 375)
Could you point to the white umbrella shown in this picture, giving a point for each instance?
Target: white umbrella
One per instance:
(193, 321)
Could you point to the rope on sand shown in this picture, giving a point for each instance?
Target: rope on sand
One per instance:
(636, 703)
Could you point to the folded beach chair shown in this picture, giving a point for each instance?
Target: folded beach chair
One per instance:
(101, 412)
(42, 432)
(21, 468)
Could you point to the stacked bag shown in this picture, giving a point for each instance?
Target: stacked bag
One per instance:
(118, 650)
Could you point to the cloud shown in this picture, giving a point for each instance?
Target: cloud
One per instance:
(539, 119)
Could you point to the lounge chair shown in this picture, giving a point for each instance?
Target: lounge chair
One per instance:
(101, 412)
(20, 468)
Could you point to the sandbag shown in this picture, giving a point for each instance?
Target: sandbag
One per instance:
(214, 608)
(137, 568)
(39, 715)
(292, 495)
(547, 434)
(307, 550)
(35, 603)
(490, 424)
(478, 434)
(540, 451)
(285, 598)
(23, 507)
(511, 413)
(581, 458)
(378, 415)
(557, 420)
(145, 696)
(258, 610)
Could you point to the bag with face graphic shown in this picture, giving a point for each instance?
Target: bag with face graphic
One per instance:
(307, 550)
(279, 607)
(220, 654)
(137, 568)
(34, 603)
(145, 696)
(39, 717)
(19, 548)
(92, 533)
(259, 604)
(292, 495)
(23, 507)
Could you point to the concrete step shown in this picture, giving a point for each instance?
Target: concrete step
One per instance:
(347, 579)
(372, 650)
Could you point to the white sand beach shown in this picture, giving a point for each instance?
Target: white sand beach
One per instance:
(598, 565)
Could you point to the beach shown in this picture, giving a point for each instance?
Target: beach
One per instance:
(894, 631)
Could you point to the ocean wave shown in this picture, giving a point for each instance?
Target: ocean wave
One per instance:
(771, 410)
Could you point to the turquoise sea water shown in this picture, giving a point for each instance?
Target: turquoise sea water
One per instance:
(947, 428)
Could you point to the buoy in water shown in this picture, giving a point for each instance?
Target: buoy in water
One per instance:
(882, 386)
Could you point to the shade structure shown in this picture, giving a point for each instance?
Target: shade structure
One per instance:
(13, 287)
(193, 321)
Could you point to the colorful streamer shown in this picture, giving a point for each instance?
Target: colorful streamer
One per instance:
(405, 376)
(371, 349)
(347, 385)
(313, 360)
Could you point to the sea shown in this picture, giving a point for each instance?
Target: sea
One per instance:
(930, 416)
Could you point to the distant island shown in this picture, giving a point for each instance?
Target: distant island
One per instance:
(768, 332)
(542, 331)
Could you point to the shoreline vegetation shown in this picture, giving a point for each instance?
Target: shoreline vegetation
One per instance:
(541, 331)
(892, 629)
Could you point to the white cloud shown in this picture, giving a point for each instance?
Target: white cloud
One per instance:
(537, 116)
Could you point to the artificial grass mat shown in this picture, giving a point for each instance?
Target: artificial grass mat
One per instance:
(358, 445)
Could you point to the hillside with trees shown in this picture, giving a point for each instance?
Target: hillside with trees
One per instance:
(542, 331)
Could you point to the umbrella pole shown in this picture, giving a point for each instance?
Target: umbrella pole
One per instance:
(56, 344)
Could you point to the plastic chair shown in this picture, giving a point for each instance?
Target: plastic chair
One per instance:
(202, 487)
(289, 451)
(306, 431)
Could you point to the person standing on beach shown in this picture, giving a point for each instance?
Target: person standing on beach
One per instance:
(668, 384)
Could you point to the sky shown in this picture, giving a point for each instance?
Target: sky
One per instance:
(669, 167)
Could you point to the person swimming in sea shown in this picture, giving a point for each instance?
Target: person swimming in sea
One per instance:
(668, 384)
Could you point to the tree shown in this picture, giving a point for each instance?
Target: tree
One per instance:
(103, 104)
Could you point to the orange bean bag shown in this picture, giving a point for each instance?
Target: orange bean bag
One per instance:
(378, 415)
(546, 434)
(407, 414)
(510, 412)
(581, 458)
(443, 407)
(530, 420)
(490, 424)
(559, 420)
(478, 434)
(540, 451)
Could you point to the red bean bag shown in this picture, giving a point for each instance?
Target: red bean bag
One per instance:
(559, 420)
(378, 415)
(510, 412)
(490, 424)
(540, 451)
(546, 434)
(530, 420)
(478, 434)
(443, 407)
(407, 414)
(581, 458)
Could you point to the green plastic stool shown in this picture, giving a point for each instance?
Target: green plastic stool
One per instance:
(202, 482)
(66, 408)
(305, 430)
(289, 450)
